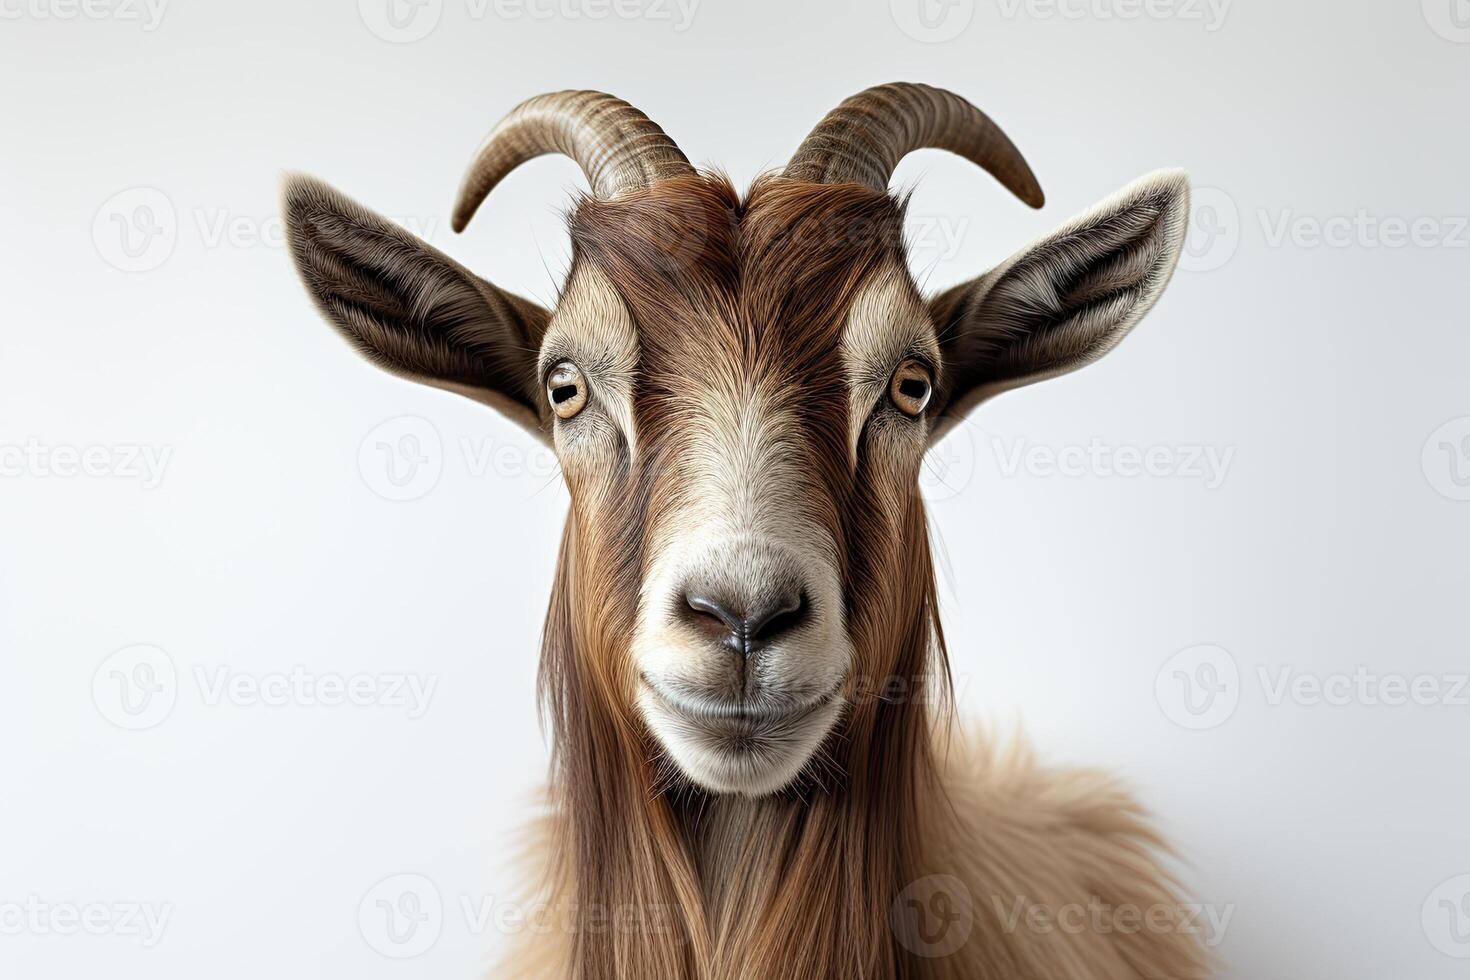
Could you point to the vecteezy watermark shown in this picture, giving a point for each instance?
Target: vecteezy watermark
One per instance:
(138, 229)
(148, 14)
(934, 238)
(1208, 465)
(1363, 229)
(1445, 917)
(299, 687)
(124, 461)
(406, 21)
(401, 916)
(933, 916)
(677, 13)
(135, 230)
(1446, 459)
(932, 21)
(1363, 687)
(1209, 13)
(403, 459)
(1450, 19)
(896, 689)
(404, 915)
(1198, 687)
(401, 21)
(34, 916)
(1097, 917)
(138, 687)
(949, 465)
(1214, 230)
(1201, 687)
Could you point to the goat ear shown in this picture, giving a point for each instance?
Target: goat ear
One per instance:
(1064, 301)
(412, 310)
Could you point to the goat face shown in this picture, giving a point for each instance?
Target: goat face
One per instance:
(740, 393)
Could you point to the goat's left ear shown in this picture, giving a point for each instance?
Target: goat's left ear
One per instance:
(1064, 301)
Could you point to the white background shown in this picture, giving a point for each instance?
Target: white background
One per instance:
(148, 303)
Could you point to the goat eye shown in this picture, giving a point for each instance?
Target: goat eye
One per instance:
(910, 388)
(566, 389)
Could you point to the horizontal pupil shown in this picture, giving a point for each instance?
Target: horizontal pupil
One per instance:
(913, 387)
(562, 393)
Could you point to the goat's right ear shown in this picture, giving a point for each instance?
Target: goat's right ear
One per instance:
(411, 309)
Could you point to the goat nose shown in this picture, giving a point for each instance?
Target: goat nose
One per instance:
(747, 628)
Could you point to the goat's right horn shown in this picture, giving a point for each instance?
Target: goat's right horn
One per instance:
(616, 145)
(862, 140)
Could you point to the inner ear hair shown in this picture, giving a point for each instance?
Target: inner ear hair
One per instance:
(1064, 301)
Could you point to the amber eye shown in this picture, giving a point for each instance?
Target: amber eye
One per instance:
(566, 389)
(910, 388)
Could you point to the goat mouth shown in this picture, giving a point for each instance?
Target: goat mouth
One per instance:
(741, 724)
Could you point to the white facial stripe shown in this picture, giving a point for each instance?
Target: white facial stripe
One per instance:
(888, 322)
(742, 527)
(742, 481)
(592, 328)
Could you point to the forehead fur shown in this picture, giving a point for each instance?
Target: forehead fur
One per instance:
(764, 281)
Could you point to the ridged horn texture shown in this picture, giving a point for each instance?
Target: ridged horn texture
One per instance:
(862, 140)
(616, 145)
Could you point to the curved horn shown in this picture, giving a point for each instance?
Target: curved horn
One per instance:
(862, 140)
(616, 145)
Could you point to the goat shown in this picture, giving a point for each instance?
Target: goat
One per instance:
(742, 666)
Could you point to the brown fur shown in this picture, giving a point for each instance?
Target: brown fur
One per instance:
(651, 878)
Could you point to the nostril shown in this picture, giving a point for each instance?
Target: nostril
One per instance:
(745, 632)
(775, 619)
(714, 613)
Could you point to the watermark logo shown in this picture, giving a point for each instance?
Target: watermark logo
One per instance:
(1450, 19)
(948, 466)
(1446, 917)
(139, 229)
(933, 917)
(1446, 459)
(136, 687)
(402, 459)
(1214, 230)
(136, 230)
(1199, 687)
(932, 21)
(401, 916)
(400, 21)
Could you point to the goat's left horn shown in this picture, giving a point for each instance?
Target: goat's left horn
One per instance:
(616, 145)
(862, 140)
